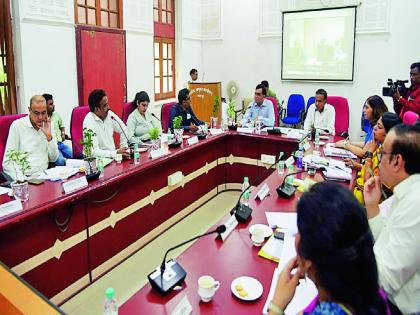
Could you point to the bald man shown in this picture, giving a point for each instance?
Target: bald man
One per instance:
(32, 134)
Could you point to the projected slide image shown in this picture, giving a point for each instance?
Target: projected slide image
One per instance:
(318, 45)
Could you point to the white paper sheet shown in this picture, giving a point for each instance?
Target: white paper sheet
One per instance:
(284, 220)
(58, 172)
(4, 190)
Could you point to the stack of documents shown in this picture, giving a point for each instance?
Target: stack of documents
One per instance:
(58, 173)
(337, 170)
(330, 150)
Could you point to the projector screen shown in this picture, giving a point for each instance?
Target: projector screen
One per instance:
(318, 45)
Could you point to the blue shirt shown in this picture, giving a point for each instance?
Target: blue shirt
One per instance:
(187, 115)
(265, 110)
(369, 134)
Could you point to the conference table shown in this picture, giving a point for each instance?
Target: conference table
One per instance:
(224, 261)
(62, 242)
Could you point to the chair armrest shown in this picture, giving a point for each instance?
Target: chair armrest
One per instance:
(282, 113)
(302, 115)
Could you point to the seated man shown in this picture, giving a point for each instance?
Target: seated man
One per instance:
(183, 109)
(64, 151)
(32, 134)
(103, 122)
(260, 107)
(271, 93)
(397, 235)
(320, 115)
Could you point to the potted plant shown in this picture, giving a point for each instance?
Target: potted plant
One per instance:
(231, 113)
(89, 160)
(21, 166)
(215, 112)
(178, 131)
(154, 134)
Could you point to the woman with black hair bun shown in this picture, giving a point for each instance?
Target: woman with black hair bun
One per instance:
(335, 250)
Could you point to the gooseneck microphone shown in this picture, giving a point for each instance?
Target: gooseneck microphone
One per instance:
(243, 212)
(121, 128)
(164, 282)
(287, 190)
(156, 117)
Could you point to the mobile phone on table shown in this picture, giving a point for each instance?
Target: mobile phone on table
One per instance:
(279, 235)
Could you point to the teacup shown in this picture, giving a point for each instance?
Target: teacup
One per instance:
(257, 236)
(207, 287)
(118, 157)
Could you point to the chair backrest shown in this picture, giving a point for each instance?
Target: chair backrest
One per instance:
(245, 103)
(76, 129)
(276, 110)
(311, 101)
(127, 110)
(341, 107)
(165, 112)
(295, 104)
(5, 122)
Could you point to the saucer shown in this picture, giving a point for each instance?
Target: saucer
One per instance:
(251, 286)
(185, 136)
(143, 149)
(266, 229)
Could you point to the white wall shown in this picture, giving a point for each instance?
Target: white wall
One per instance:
(244, 57)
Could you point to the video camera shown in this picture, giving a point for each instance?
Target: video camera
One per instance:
(393, 86)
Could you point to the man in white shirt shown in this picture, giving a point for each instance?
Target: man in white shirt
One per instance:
(397, 237)
(103, 122)
(32, 134)
(320, 115)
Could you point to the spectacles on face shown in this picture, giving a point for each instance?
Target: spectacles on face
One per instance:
(258, 94)
(380, 156)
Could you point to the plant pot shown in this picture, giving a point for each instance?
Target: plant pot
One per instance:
(156, 144)
(213, 122)
(230, 121)
(178, 134)
(20, 191)
(90, 166)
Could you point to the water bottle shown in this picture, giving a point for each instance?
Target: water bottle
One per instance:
(310, 135)
(317, 138)
(136, 154)
(280, 164)
(299, 157)
(110, 304)
(100, 165)
(245, 195)
(258, 124)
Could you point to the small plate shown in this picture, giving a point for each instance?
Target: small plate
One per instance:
(251, 285)
(321, 143)
(267, 231)
(185, 136)
(143, 149)
(324, 137)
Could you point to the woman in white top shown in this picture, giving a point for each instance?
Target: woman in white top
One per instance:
(140, 120)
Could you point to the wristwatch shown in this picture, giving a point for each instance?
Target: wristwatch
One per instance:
(368, 155)
(275, 309)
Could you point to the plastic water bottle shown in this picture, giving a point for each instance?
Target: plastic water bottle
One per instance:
(310, 135)
(317, 139)
(258, 124)
(110, 304)
(136, 154)
(299, 157)
(101, 168)
(245, 195)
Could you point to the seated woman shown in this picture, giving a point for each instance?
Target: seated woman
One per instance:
(370, 163)
(372, 110)
(141, 121)
(335, 250)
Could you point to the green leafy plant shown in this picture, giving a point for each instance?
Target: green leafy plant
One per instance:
(216, 106)
(154, 133)
(231, 109)
(176, 122)
(87, 142)
(20, 162)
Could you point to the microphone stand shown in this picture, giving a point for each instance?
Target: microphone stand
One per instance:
(177, 275)
(243, 212)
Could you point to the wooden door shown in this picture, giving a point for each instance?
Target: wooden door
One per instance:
(101, 64)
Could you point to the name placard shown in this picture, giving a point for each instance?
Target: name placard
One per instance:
(157, 153)
(230, 226)
(10, 207)
(244, 130)
(183, 308)
(192, 140)
(75, 184)
(263, 192)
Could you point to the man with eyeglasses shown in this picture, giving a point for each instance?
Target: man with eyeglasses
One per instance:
(261, 108)
(397, 236)
(32, 134)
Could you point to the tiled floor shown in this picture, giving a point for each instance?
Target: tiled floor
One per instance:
(131, 275)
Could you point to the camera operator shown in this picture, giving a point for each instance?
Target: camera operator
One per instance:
(411, 100)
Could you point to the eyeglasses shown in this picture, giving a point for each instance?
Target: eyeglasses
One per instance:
(258, 94)
(380, 156)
